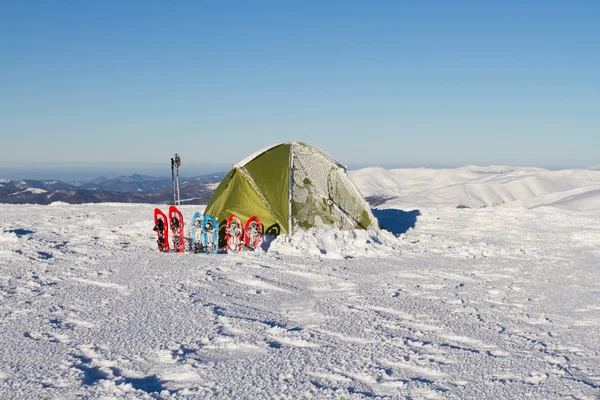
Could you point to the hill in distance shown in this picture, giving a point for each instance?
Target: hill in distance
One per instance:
(126, 189)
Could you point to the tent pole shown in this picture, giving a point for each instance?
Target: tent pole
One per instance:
(291, 191)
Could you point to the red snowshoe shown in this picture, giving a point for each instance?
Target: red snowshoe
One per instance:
(233, 234)
(176, 223)
(161, 229)
(253, 232)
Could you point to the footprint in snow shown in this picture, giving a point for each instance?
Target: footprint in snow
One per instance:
(49, 337)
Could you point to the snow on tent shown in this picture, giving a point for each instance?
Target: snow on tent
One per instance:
(291, 186)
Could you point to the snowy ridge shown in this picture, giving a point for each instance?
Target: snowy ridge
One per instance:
(499, 169)
(30, 190)
(477, 187)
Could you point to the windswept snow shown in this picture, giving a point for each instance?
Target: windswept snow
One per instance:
(477, 187)
(465, 303)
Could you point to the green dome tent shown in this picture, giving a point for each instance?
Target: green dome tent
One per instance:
(291, 186)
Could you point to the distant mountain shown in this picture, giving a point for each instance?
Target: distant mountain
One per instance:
(143, 183)
(128, 189)
(96, 181)
(127, 186)
(139, 178)
(35, 184)
(498, 169)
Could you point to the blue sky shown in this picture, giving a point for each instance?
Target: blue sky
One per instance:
(125, 84)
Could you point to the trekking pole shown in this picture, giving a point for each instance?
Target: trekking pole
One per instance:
(177, 164)
(173, 179)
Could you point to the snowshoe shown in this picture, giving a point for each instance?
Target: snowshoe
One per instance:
(161, 229)
(176, 223)
(210, 235)
(196, 233)
(253, 232)
(233, 234)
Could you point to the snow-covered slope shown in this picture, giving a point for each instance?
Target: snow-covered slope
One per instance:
(477, 187)
(465, 304)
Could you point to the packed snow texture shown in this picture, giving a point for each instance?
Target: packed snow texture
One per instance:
(496, 302)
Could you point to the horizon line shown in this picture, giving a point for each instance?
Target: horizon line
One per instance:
(95, 172)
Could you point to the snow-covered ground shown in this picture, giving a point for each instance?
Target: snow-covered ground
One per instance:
(496, 302)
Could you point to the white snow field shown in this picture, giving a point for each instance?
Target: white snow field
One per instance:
(499, 302)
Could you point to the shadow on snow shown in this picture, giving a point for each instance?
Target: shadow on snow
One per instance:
(396, 221)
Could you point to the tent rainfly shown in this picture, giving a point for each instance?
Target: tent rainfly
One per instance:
(291, 186)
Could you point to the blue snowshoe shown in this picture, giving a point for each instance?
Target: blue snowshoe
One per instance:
(196, 233)
(210, 235)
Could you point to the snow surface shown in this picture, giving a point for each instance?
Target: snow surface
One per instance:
(495, 302)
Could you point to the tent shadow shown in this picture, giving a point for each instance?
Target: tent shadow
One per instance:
(267, 239)
(271, 234)
(396, 221)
